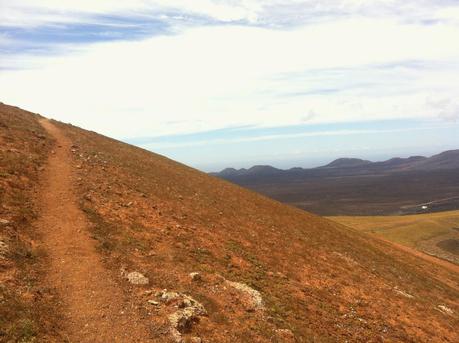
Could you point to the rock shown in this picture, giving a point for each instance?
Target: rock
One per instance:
(167, 297)
(188, 313)
(445, 310)
(255, 299)
(183, 319)
(153, 302)
(3, 249)
(402, 293)
(195, 276)
(4, 222)
(137, 278)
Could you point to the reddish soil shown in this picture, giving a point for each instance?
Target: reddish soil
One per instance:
(93, 304)
(106, 206)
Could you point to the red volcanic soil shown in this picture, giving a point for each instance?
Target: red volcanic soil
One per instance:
(267, 272)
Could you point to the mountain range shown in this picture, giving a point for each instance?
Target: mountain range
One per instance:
(352, 186)
(355, 166)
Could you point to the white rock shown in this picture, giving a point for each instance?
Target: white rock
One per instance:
(137, 278)
(254, 296)
(4, 222)
(405, 294)
(188, 313)
(445, 310)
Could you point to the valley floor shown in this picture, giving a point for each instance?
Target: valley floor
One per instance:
(436, 234)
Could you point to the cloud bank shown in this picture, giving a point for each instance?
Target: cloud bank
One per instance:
(151, 68)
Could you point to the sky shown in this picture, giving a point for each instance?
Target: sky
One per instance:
(233, 83)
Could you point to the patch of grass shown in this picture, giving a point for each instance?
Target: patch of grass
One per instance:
(16, 319)
(407, 230)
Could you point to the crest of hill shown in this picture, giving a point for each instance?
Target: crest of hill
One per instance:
(445, 160)
(317, 280)
(346, 163)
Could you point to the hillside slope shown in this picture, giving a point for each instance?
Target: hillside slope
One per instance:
(267, 272)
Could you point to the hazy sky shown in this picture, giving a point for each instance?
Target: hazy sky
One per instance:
(240, 82)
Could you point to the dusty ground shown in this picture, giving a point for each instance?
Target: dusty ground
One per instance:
(94, 308)
(318, 281)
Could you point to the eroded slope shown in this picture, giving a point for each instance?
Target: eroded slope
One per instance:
(317, 280)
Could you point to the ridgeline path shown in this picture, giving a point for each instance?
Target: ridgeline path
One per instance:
(93, 304)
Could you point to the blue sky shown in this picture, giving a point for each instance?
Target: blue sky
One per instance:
(242, 82)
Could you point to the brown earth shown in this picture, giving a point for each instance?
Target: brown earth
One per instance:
(93, 305)
(318, 280)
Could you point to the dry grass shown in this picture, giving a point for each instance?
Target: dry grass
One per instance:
(435, 234)
(407, 230)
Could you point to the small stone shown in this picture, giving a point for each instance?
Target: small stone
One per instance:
(137, 278)
(195, 276)
(153, 302)
(3, 249)
(4, 222)
(445, 310)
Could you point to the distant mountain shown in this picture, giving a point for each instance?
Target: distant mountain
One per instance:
(445, 160)
(347, 163)
(355, 186)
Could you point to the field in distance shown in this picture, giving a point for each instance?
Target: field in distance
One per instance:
(433, 233)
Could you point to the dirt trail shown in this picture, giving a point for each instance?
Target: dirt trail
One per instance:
(94, 310)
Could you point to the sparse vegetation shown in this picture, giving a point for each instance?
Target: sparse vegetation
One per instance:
(318, 280)
(186, 221)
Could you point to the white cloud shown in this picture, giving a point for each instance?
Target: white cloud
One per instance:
(273, 137)
(219, 76)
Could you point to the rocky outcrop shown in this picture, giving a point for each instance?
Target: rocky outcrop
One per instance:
(255, 300)
(188, 313)
(137, 278)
